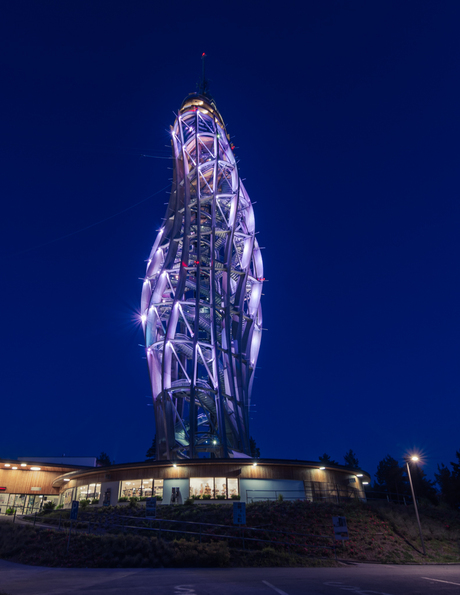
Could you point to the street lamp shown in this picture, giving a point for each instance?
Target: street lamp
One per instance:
(415, 459)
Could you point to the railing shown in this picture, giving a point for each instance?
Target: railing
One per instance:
(392, 497)
(258, 495)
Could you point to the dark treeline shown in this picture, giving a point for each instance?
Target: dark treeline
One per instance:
(392, 479)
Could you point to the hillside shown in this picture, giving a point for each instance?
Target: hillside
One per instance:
(378, 533)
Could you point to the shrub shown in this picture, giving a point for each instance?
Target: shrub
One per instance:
(200, 555)
(133, 501)
(59, 506)
(188, 502)
(95, 501)
(9, 511)
(221, 497)
(84, 503)
(49, 506)
(236, 496)
(123, 499)
(195, 497)
(206, 496)
(280, 497)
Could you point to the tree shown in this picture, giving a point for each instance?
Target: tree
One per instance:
(152, 451)
(351, 460)
(103, 460)
(326, 460)
(449, 483)
(255, 450)
(391, 477)
(423, 487)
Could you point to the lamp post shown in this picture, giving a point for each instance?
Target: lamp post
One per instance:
(415, 459)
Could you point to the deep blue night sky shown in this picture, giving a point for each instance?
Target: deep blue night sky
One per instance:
(346, 120)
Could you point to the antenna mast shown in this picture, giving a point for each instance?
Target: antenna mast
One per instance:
(203, 87)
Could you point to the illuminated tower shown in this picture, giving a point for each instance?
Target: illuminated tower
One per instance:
(200, 306)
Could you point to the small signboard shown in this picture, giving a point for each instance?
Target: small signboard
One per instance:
(239, 513)
(74, 510)
(340, 528)
(151, 508)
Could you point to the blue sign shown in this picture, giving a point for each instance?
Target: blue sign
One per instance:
(151, 508)
(74, 510)
(239, 513)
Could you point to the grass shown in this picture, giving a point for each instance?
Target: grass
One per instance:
(386, 533)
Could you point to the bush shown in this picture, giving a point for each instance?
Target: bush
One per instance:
(221, 497)
(9, 511)
(200, 555)
(280, 497)
(29, 545)
(95, 501)
(188, 502)
(236, 496)
(123, 499)
(84, 503)
(133, 501)
(206, 496)
(59, 506)
(49, 506)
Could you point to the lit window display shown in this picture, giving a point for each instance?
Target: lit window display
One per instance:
(232, 488)
(158, 488)
(89, 492)
(25, 503)
(68, 498)
(142, 488)
(219, 488)
(202, 487)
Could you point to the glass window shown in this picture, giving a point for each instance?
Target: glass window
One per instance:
(202, 486)
(142, 488)
(18, 501)
(218, 487)
(82, 492)
(94, 491)
(68, 498)
(131, 488)
(221, 487)
(147, 488)
(158, 487)
(232, 487)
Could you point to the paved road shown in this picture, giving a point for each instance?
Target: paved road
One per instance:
(360, 579)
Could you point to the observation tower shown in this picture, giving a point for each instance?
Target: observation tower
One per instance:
(200, 305)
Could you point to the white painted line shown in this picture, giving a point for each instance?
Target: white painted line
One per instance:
(438, 580)
(274, 588)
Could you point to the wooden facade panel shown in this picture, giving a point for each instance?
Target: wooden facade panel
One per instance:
(19, 481)
(210, 468)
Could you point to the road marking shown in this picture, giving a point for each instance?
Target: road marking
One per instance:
(438, 580)
(274, 588)
(184, 590)
(353, 589)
